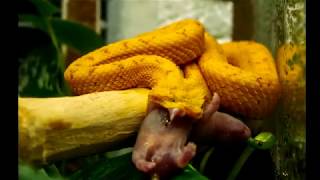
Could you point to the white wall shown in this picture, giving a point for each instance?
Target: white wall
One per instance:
(127, 18)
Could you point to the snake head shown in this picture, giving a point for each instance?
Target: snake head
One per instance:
(173, 113)
(183, 99)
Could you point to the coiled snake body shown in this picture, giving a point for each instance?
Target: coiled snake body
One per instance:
(182, 65)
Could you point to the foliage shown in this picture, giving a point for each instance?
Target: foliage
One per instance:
(27, 172)
(115, 165)
(42, 63)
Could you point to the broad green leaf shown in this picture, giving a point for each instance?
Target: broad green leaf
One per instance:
(72, 34)
(44, 7)
(76, 35)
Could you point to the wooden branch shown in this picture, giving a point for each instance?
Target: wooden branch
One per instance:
(65, 127)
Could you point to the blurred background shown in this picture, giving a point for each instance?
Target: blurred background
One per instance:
(53, 33)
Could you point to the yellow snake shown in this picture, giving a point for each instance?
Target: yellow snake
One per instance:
(180, 62)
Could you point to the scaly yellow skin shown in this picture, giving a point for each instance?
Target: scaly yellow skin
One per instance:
(149, 60)
(250, 86)
(243, 74)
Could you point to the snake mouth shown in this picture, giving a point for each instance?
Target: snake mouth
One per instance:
(177, 108)
(172, 112)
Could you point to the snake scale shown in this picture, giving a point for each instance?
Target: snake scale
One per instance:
(183, 65)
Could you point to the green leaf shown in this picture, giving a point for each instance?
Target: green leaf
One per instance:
(118, 167)
(70, 33)
(52, 171)
(32, 21)
(263, 141)
(76, 35)
(45, 8)
(117, 153)
(39, 73)
(27, 172)
(190, 173)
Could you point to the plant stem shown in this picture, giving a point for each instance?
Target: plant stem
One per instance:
(60, 58)
(154, 177)
(240, 162)
(55, 42)
(205, 160)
